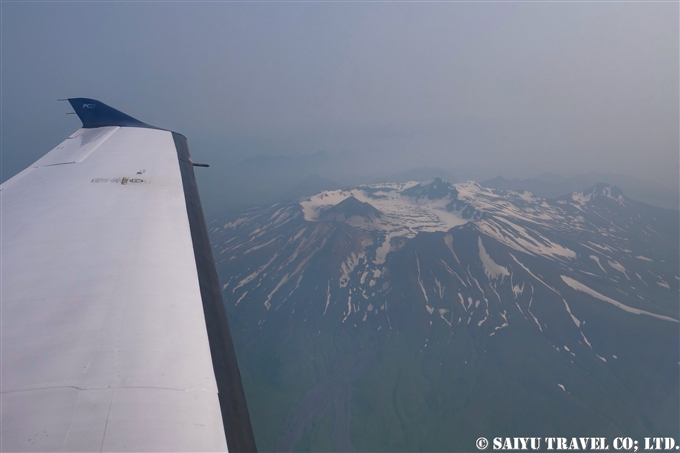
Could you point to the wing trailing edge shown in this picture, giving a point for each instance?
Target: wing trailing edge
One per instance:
(232, 398)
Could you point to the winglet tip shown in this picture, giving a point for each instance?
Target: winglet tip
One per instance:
(95, 113)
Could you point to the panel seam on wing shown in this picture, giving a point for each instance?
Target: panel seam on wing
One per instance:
(108, 388)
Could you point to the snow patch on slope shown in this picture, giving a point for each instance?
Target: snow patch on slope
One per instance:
(523, 240)
(491, 268)
(618, 267)
(581, 198)
(597, 260)
(578, 286)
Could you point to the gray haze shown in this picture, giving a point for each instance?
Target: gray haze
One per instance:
(481, 89)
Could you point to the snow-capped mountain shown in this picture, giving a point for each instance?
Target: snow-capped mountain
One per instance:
(436, 313)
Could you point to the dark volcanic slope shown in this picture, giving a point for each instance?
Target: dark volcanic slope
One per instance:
(348, 208)
(459, 312)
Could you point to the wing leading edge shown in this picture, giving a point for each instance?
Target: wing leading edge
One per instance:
(114, 335)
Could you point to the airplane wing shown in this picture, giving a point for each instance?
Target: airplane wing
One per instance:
(114, 335)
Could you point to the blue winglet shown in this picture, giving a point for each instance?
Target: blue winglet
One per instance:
(94, 113)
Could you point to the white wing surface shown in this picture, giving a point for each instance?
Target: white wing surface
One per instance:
(114, 336)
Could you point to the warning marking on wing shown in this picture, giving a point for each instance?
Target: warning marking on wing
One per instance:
(122, 181)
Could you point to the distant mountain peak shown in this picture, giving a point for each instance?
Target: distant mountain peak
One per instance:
(351, 209)
(606, 190)
(550, 185)
(433, 190)
(392, 210)
(602, 191)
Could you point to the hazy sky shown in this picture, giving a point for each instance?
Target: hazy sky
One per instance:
(505, 87)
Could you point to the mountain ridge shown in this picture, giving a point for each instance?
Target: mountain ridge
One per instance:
(408, 322)
(550, 185)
